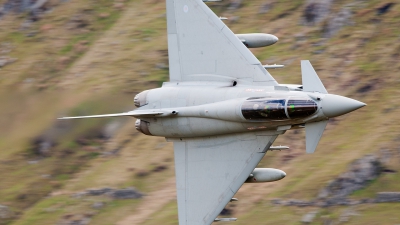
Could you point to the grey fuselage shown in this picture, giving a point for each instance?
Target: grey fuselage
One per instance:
(201, 109)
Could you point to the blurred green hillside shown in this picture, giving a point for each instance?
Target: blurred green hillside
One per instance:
(92, 56)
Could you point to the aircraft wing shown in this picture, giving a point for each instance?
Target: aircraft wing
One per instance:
(210, 170)
(134, 113)
(202, 48)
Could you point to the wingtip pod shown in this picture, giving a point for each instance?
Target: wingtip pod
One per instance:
(257, 40)
(260, 175)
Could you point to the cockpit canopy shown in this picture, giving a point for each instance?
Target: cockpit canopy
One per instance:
(264, 109)
(276, 109)
(300, 107)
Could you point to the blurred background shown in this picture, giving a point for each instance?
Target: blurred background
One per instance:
(81, 57)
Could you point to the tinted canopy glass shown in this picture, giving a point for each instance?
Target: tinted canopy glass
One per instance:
(264, 109)
(300, 108)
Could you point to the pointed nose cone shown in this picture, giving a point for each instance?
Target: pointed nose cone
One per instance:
(283, 174)
(274, 38)
(271, 39)
(336, 105)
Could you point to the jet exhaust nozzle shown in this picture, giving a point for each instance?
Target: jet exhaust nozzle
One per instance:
(142, 127)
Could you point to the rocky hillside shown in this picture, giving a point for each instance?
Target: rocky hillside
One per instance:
(70, 57)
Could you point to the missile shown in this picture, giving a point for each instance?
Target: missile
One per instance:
(278, 148)
(257, 40)
(275, 66)
(225, 219)
(265, 175)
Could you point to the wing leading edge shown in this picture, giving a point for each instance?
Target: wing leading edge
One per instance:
(199, 43)
(135, 113)
(209, 172)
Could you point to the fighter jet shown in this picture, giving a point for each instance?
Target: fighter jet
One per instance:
(223, 110)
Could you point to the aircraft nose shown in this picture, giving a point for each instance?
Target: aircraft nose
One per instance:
(336, 105)
(283, 174)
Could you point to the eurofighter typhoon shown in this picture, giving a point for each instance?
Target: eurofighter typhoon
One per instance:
(223, 110)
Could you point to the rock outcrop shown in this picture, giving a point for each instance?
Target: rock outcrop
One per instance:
(334, 24)
(316, 11)
(359, 174)
(5, 212)
(382, 197)
(126, 193)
